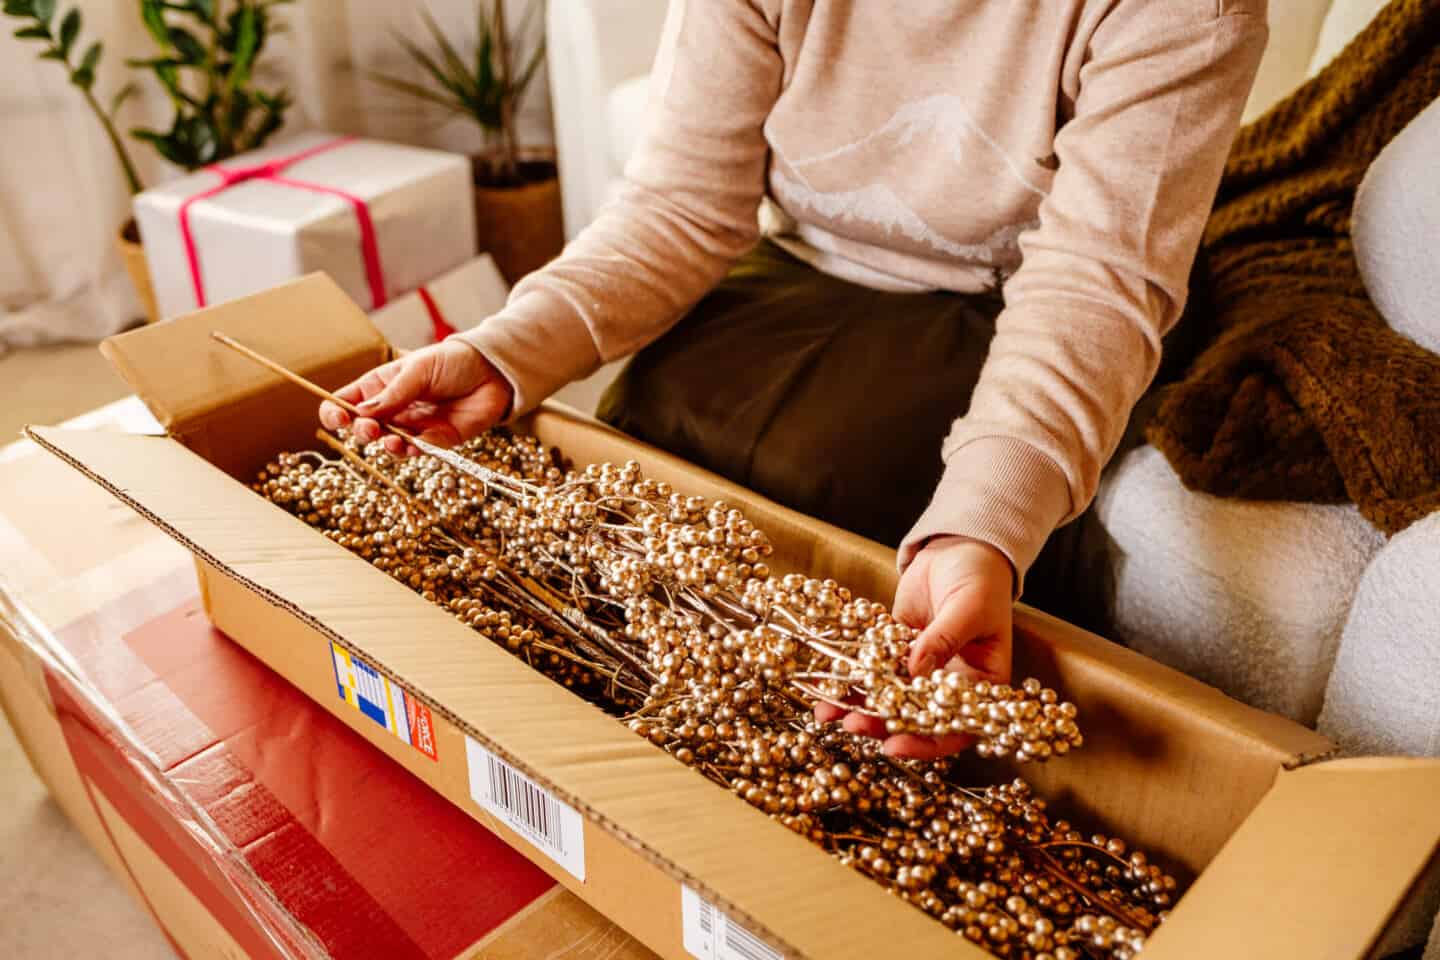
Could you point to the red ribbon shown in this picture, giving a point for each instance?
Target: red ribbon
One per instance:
(271, 171)
(438, 323)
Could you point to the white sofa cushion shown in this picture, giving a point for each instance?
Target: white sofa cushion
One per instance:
(1396, 228)
(1248, 596)
(1384, 694)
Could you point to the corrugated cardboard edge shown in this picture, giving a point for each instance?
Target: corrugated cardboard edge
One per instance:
(953, 946)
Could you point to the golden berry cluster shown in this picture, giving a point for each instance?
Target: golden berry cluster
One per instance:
(662, 608)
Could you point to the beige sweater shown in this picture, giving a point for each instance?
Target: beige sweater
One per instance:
(1070, 148)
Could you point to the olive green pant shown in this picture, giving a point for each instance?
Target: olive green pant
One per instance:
(832, 398)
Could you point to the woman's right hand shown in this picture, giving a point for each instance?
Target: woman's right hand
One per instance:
(447, 393)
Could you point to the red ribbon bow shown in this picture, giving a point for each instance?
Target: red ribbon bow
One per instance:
(272, 171)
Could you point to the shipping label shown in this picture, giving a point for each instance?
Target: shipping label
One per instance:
(365, 689)
(554, 827)
(710, 935)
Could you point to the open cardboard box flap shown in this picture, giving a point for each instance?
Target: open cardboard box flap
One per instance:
(214, 400)
(1169, 763)
(1325, 861)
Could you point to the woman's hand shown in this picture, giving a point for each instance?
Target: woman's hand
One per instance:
(959, 594)
(447, 393)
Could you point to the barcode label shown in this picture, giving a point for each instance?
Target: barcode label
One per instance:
(710, 935)
(555, 828)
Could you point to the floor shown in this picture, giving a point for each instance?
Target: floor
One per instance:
(56, 897)
(49, 877)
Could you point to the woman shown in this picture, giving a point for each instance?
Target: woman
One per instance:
(978, 211)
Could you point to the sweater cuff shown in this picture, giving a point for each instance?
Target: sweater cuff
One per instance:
(999, 491)
(537, 351)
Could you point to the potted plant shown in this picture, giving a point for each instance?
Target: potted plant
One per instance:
(205, 64)
(517, 194)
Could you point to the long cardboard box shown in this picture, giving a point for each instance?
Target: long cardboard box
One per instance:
(1235, 798)
(223, 799)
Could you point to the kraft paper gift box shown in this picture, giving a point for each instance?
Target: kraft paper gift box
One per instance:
(449, 304)
(380, 218)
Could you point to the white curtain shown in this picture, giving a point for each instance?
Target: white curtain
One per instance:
(63, 197)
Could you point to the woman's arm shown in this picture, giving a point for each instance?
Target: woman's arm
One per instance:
(687, 213)
(1103, 276)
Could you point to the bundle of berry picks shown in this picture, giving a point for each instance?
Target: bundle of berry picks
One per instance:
(661, 608)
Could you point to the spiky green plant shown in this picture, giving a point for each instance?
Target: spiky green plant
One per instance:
(485, 88)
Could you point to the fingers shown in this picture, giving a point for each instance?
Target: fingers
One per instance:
(962, 617)
(332, 417)
(335, 417)
(987, 658)
(912, 595)
(852, 722)
(408, 383)
(926, 748)
(861, 725)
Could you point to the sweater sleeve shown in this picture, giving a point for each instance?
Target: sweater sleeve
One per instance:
(687, 212)
(1103, 276)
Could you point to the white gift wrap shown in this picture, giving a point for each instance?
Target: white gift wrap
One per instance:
(464, 296)
(258, 233)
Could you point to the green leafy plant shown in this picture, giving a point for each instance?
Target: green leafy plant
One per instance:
(485, 88)
(60, 44)
(206, 65)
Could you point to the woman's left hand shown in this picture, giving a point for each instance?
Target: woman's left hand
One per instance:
(959, 593)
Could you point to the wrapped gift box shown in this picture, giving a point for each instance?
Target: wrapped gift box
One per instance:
(448, 304)
(1247, 804)
(244, 818)
(379, 218)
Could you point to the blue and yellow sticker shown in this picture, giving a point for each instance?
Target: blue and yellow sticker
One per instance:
(387, 703)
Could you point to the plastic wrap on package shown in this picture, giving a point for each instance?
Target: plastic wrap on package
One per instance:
(289, 939)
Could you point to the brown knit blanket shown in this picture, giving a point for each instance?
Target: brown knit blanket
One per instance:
(1303, 392)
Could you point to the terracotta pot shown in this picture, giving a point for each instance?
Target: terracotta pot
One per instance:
(520, 226)
(133, 254)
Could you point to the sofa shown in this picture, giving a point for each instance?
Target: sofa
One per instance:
(1258, 598)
